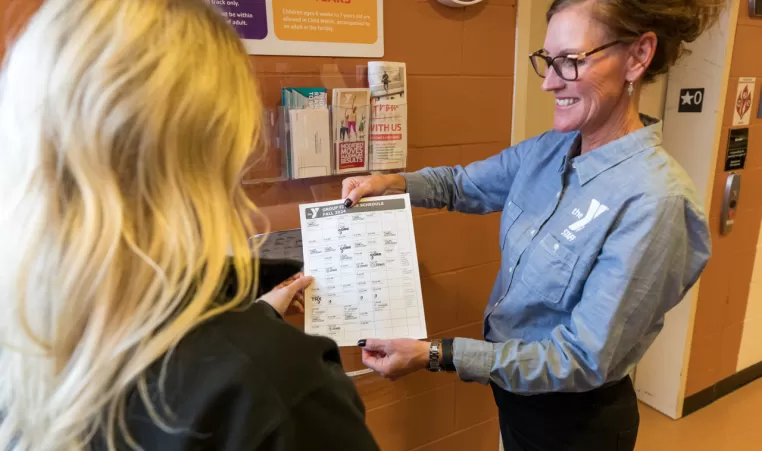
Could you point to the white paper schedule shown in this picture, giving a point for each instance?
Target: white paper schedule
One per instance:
(365, 266)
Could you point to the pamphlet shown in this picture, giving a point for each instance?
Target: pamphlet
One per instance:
(351, 118)
(310, 142)
(388, 132)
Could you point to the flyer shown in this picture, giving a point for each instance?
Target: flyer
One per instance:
(388, 132)
(351, 118)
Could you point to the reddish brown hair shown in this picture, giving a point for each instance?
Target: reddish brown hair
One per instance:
(673, 21)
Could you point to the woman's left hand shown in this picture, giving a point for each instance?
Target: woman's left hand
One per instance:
(395, 358)
(287, 297)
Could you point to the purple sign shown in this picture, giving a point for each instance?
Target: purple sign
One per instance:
(249, 17)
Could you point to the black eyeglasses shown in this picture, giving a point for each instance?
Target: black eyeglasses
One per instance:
(564, 65)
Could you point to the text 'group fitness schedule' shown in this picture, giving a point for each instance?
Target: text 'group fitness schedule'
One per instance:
(365, 265)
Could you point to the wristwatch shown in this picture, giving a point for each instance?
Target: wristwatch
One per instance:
(435, 354)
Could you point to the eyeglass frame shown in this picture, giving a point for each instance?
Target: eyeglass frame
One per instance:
(576, 57)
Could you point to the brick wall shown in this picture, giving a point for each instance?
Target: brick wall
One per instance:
(721, 312)
(460, 77)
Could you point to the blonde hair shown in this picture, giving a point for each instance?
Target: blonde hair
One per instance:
(125, 127)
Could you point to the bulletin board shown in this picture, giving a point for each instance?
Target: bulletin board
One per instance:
(343, 28)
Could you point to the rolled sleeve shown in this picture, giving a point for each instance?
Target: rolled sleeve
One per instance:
(417, 187)
(473, 359)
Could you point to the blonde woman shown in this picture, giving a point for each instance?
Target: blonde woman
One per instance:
(125, 271)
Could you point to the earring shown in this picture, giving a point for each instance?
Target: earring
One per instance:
(630, 89)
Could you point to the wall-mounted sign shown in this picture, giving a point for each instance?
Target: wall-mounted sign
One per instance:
(744, 96)
(691, 100)
(308, 27)
(755, 8)
(738, 145)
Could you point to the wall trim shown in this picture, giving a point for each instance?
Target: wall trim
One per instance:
(722, 388)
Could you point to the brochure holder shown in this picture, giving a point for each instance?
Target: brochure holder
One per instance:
(305, 143)
(306, 154)
(267, 163)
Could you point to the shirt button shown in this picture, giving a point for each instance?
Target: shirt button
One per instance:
(558, 195)
(510, 270)
(510, 203)
(532, 232)
(555, 247)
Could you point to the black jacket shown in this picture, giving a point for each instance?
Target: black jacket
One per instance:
(247, 380)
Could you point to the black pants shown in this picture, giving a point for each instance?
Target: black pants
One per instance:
(605, 419)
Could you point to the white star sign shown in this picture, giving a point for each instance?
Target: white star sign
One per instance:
(691, 100)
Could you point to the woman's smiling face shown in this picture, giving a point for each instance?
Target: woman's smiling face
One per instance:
(587, 103)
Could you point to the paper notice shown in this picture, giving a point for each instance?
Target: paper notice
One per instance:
(744, 96)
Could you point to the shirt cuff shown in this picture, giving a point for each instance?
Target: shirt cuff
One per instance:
(473, 359)
(417, 186)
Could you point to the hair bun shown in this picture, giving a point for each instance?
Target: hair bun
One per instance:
(701, 14)
(673, 21)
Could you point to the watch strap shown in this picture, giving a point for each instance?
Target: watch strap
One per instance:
(448, 358)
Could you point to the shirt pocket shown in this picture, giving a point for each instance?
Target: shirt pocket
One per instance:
(511, 213)
(548, 269)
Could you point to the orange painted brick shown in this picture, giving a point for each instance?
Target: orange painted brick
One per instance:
(413, 422)
(440, 301)
(433, 157)
(474, 287)
(704, 364)
(482, 437)
(484, 28)
(427, 36)
(474, 404)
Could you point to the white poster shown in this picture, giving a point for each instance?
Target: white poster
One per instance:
(308, 27)
(744, 99)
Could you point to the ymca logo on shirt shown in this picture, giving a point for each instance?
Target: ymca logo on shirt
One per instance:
(593, 211)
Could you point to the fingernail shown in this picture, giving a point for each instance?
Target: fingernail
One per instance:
(348, 203)
(361, 343)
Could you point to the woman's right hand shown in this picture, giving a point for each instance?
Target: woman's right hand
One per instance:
(355, 188)
(288, 296)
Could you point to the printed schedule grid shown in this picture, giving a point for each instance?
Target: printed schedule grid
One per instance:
(365, 267)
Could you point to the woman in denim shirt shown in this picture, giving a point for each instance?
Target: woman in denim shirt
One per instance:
(602, 233)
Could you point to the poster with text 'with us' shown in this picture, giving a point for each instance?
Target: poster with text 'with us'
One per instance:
(344, 28)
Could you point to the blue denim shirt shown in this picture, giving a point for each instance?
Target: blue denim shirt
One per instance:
(596, 249)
